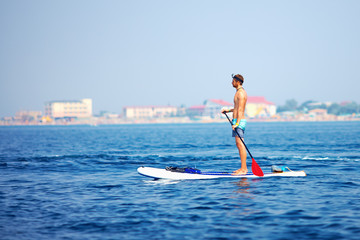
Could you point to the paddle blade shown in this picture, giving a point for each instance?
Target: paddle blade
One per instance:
(255, 168)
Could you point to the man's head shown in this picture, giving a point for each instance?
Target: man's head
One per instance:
(237, 79)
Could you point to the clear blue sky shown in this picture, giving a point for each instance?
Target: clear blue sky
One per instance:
(122, 53)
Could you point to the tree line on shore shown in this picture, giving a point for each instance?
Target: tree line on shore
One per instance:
(345, 108)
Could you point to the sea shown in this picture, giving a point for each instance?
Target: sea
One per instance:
(81, 182)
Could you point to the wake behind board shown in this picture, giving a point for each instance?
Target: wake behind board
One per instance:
(159, 173)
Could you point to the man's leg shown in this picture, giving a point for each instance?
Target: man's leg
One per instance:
(242, 153)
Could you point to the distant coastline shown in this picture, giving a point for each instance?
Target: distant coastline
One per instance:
(258, 109)
(97, 121)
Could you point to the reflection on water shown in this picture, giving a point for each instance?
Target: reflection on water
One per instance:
(161, 181)
(243, 186)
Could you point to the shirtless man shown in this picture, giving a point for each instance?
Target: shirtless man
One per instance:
(239, 121)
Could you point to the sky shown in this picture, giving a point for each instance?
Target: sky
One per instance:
(164, 52)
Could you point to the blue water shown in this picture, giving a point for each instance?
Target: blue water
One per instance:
(81, 182)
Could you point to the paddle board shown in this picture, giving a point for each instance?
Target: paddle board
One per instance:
(158, 173)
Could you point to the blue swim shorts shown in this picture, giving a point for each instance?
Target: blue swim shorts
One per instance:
(240, 129)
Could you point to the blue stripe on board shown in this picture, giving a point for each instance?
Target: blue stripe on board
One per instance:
(224, 173)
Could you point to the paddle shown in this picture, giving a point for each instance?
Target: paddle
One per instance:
(255, 168)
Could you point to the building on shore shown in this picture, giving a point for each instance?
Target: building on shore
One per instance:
(259, 107)
(213, 107)
(28, 116)
(195, 111)
(69, 109)
(210, 109)
(147, 112)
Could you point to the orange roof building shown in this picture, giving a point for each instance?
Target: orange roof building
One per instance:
(213, 107)
(259, 107)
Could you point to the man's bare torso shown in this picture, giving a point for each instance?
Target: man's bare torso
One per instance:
(240, 99)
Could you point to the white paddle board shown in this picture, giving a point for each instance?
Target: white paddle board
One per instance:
(159, 173)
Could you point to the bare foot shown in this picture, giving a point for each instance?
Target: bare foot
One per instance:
(240, 172)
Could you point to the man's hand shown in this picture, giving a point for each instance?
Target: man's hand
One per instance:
(225, 110)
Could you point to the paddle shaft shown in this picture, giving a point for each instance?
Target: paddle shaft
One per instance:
(239, 136)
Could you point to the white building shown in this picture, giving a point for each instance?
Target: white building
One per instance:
(212, 107)
(69, 109)
(141, 112)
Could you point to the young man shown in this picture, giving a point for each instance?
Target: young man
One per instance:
(239, 121)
